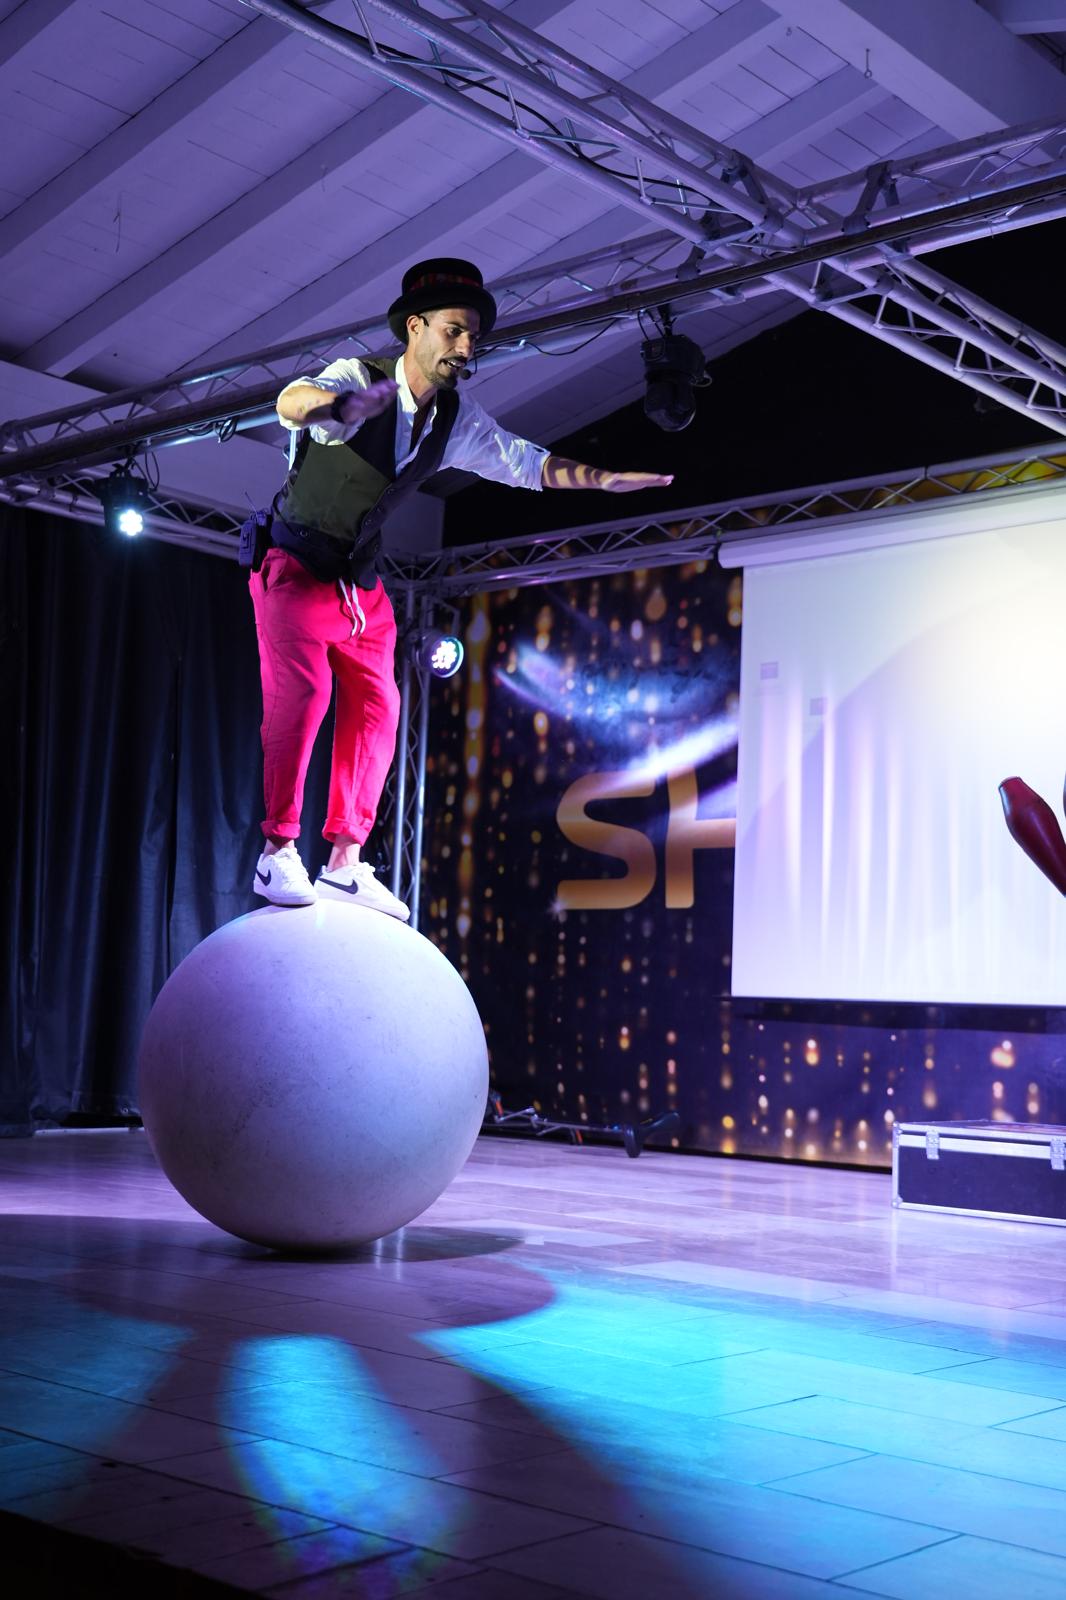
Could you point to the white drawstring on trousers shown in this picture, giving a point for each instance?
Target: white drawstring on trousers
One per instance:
(353, 608)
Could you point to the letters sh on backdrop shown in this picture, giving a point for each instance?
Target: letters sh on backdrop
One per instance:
(685, 834)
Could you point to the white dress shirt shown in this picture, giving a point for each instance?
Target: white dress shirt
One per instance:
(476, 443)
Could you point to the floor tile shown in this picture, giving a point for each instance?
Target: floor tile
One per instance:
(957, 1311)
(339, 1418)
(496, 1585)
(976, 1568)
(609, 1564)
(267, 1566)
(139, 1375)
(1021, 1377)
(721, 1276)
(253, 1524)
(150, 1519)
(959, 1501)
(630, 1437)
(914, 1393)
(983, 1343)
(998, 1452)
(78, 1481)
(697, 1389)
(410, 1572)
(368, 1328)
(23, 1455)
(424, 1511)
(161, 1291)
(106, 1427)
(1048, 1425)
(711, 1513)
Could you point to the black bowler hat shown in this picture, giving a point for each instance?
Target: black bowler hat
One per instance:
(435, 285)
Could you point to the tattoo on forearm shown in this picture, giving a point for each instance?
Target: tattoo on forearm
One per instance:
(306, 406)
(558, 473)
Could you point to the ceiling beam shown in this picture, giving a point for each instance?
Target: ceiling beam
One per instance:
(1029, 16)
(23, 25)
(719, 45)
(951, 61)
(809, 115)
(74, 342)
(242, 55)
(77, 340)
(438, 228)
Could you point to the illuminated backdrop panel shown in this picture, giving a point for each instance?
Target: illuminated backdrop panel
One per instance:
(886, 693)
(580, 874)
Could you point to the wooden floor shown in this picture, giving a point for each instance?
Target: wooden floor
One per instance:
(577, 1375)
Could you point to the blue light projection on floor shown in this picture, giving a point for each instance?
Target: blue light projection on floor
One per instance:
(731, 1426)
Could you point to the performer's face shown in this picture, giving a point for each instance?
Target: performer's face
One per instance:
(441, 343)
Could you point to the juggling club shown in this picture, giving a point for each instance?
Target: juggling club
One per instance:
(1033, 825)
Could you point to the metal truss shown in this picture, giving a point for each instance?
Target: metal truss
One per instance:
(612, 284)
(907, 305)
(990, 164)
(628, 544)
(421, 583)
(696, 535)
(510, 81)
(192, 405)
(729, 231)
(170, 519)
(941, 321)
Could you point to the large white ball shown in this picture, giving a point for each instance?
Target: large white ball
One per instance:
(313, 1078)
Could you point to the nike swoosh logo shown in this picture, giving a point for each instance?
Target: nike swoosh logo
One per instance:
(264, 877)
(345, 888)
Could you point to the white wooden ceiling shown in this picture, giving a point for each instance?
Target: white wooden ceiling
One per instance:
(183, 180)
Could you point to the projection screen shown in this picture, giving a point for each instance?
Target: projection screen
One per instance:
(894, 670)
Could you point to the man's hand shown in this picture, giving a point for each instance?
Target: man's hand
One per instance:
(363, 403)
(627, 482)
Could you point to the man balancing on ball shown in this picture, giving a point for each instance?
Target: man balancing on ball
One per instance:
(369, 433)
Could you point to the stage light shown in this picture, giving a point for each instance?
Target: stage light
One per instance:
(436, 652)
(673, 367)
(447, 657)
(125, 499)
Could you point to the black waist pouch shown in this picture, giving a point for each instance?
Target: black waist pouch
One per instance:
(326, 558)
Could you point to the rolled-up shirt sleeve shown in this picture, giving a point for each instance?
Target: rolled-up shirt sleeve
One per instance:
(478, 444)
(339, 376)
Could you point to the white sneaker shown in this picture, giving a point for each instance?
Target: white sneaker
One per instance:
(359, 887)
(282, 879)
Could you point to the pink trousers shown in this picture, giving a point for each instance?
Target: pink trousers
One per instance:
(305, 641)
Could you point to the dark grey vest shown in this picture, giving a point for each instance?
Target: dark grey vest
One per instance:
(331, 512)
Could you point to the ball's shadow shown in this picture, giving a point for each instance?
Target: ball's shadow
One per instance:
(406, 1244)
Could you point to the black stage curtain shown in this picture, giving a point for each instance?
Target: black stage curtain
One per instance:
(131, 784)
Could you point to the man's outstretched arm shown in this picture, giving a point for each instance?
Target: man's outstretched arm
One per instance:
(558, 473)
(306, 405)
